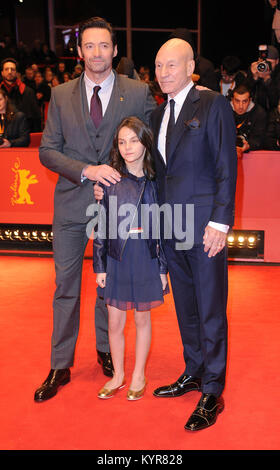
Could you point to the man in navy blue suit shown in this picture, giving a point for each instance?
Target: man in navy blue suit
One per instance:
(196, 165)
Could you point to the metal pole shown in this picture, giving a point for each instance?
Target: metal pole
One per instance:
(199, 27)
(128, 30)
(51, 24)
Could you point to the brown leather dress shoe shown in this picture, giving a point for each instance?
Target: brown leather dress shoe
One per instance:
(206, 412)
(185, 384)
(105, 359)
(49, 388)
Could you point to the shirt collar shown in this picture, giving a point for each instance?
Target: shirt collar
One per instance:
(104, 85)
(182, 95)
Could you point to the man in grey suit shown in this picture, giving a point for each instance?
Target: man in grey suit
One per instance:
(77, 147)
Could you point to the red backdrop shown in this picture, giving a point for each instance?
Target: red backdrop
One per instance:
(27, 193)
(27, 188)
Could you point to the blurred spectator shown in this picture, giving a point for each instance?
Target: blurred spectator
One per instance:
(203, 67)
(48, 76)
(230, 76)
(28, 78)
(60, 70)
(36, 55)
(144, 73)
(42, 90)
(35, 68)
(9, 49)
(23, 56)
(66, 77)
(272, 135)
(250, 120)
(43, 95)
(55, 81)
(20, 95)
(14, 130)
(48, 56)
(126, 67)
(265, 85)
(78, 70)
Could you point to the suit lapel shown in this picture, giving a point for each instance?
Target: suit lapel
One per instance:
(112, 116)
(158, 120)
(79, 105)
(188, 111)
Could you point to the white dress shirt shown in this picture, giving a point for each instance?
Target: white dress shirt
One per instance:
(105, 92)
(179, 101)
(104, 95)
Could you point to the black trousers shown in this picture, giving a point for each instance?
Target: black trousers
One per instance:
(200, 287)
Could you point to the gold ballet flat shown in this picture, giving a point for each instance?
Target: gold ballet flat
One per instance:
(106, 393)
(133, 395)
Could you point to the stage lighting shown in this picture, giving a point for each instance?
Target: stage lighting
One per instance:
(246, 244)
(26, 237)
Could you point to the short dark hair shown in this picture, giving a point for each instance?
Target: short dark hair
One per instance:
(97, 22)
(145, 136)
(9, 59)
(231, 64)
(241, 89)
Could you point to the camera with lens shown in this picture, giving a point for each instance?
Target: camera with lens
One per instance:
(263, 64)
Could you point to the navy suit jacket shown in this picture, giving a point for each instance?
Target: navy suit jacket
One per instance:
(202, 166)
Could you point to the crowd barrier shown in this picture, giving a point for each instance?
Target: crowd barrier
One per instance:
(27, 190)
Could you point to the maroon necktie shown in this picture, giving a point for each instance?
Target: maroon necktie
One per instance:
(96, 107)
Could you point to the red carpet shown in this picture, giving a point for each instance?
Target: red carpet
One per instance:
(76, 419)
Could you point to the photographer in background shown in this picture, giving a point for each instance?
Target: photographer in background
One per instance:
(250, 120)
(14, 131)
(264, 78)
(20, 95)
(272, 135)
(229, 76)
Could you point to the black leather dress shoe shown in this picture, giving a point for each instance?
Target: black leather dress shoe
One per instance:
(185, 384)
(206, 412)
(49, 388)
(105, 360)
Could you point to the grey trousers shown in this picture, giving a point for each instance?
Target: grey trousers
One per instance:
(69, 244)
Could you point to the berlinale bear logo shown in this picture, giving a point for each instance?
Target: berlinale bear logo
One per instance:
(21, 183)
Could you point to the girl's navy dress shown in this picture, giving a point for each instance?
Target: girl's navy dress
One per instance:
(134, 282)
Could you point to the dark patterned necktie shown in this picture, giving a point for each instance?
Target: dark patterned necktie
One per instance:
(170, 128)
(96, 107)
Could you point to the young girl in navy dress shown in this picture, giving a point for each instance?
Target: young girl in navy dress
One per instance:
(131, 270)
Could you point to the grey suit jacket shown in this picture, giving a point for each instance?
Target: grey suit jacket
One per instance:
(70, 140)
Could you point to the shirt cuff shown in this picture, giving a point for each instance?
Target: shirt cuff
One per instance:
(221, 227)
(83, 178)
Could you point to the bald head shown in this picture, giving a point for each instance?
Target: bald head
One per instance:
(175, 46)
(174, 66)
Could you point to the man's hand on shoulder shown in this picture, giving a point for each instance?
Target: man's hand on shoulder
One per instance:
(104, 174)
